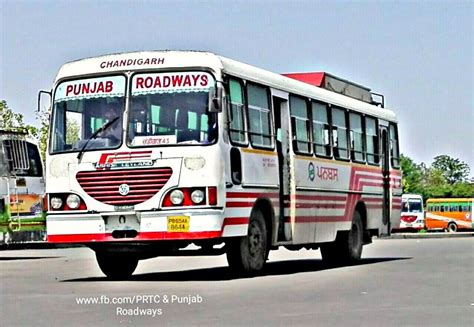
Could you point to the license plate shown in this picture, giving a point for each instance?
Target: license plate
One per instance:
(409, 225)
(178, 223)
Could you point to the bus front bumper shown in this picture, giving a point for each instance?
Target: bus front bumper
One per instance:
(141, 226)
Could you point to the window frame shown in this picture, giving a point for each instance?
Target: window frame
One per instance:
(376, 154)
(244, 112)
(345, 111)
(353, 151)
(327, 108)
(270, 112)
(293, 119)
(397, 140)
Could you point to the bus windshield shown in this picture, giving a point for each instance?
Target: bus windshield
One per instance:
(412, 205)
(171, 108)
(81, 107)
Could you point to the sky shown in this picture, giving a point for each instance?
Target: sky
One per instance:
(419, 54)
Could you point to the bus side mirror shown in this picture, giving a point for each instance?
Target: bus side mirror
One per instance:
(40, 97)
(215, 99)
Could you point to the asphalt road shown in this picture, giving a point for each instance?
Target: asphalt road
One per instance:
(400, 282)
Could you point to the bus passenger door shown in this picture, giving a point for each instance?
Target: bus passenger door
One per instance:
(280, 111)
(385, 160)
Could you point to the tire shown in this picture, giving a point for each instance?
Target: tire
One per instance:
(116, 265)
(452, 227)
(248, 254)
(347, 248)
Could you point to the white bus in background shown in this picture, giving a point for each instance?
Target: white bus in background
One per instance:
(203, 149)
(413, 215)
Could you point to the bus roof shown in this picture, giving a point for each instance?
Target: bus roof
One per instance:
(411, 196)
(441, 200)
(147, 60)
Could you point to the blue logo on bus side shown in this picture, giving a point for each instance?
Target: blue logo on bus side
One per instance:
(311, 173)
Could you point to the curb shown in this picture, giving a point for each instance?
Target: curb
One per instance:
(398, 236)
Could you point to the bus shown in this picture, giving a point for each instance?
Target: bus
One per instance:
(21, 189)
(413, 215)
(213, 152)
(449, 214)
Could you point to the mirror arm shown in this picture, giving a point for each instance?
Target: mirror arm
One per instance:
(50, 93)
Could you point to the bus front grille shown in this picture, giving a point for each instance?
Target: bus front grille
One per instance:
(124, 187)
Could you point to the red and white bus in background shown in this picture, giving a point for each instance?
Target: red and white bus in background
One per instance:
(150, 152)
(413, 215)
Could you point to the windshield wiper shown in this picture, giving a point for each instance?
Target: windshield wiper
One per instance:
(93, 136)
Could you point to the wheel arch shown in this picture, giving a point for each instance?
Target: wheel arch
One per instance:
(265, 206)
(362, 209)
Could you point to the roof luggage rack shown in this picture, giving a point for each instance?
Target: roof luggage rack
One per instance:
(339, 85)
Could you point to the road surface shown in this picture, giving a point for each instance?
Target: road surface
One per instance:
(400, 282)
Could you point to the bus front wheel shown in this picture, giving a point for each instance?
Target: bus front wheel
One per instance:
(347, 248)
(452, 227)
(249, 253)
(116, 265)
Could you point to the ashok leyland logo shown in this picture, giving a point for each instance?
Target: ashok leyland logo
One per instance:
(124, 160)
(124, 189)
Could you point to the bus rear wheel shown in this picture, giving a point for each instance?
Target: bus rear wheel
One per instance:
(116, 265)
(452, 227)
(248, 254)
(347, 248)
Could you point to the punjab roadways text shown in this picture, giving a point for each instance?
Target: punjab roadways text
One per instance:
(141, 305)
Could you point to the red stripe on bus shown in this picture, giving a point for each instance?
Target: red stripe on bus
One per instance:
(318, 197)
(239, 204)
(144, 236)
(320, 205)
(317, 219)
(247, 195)
(235, 221)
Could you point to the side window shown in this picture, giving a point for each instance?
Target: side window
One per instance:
(300, 125)
(321, 131)
(339, 134)
(236, 117)
(372, 141)
(259, 116)
(357, 137)
(394, 152)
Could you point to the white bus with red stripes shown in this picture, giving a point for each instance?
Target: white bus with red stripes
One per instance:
(150, 152)
(413, 215)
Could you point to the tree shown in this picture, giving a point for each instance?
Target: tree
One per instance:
(445, 178)
(11, 121)
(463, 190)
(435, 184)
(412, 175)
(72, 134)
(454, 170)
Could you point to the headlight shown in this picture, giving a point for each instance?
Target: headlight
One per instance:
(73, 201)
(56, 203)
(177, 197)
(197, 196)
